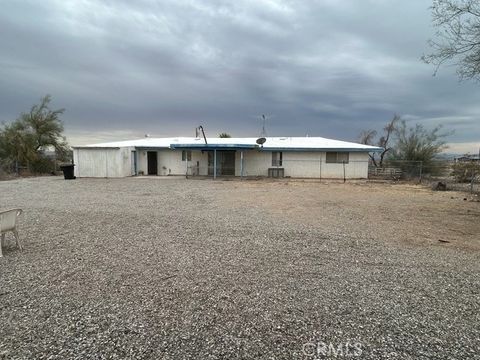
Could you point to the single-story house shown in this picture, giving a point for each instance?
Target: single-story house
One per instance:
(300, 157)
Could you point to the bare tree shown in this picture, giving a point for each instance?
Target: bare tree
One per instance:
(368, 137)
(457, 37)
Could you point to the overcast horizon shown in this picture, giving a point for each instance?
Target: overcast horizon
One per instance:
(324, 68)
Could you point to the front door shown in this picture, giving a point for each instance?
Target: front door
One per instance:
(225, 162)
(152, 163)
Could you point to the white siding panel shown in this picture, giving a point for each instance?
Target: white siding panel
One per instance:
(100, 162)
(256, 163)
(356, 168)
(302, 164)
(91, 163)
(170, 162)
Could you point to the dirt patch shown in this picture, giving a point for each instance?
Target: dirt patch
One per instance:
(380, 211)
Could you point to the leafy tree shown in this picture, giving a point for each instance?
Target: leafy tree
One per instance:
(45, 126)
(457, 37)
(418, 144)
(26, 139)
(224, 135)
(16, 144)
(368, 137)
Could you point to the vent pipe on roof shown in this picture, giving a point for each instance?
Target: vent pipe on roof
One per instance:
(200, 128)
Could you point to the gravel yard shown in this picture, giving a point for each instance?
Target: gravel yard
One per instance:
(151, 268)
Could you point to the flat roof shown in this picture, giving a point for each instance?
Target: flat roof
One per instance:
(271, 144)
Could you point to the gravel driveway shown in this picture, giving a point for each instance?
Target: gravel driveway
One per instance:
(150, 268)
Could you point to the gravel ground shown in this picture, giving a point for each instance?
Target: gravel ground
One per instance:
(149, 268)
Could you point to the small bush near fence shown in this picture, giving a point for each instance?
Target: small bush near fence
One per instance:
(461, 176)
(465, 171)
(42, 165)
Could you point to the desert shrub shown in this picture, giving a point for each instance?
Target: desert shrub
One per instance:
(465, 171)
(42, 165)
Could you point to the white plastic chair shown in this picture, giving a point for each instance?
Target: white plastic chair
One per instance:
(8, 222)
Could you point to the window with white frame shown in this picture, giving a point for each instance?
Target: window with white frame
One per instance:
(337, 157)
(277, 158)
(186, 155)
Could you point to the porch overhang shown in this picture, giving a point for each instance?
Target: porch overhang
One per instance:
(213, 146)
(265, 148)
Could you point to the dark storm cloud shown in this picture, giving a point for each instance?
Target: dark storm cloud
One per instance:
(327, 68)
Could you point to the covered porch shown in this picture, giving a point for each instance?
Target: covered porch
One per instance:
(218, 160)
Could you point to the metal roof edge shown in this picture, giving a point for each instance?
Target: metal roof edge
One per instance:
(151, 147)
(213, 146)
(96, 147)
(231, 146)
(321, 149)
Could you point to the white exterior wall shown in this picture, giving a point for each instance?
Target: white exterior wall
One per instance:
(108, 162)
(170, 162)
(302, 164)
(357, 167)
(142, 162)
(255, 162)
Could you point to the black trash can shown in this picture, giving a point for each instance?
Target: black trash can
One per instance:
(68, 173)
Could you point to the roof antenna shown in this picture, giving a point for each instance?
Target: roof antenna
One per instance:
(264, 132)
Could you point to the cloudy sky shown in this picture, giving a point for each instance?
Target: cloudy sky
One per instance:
(330, 68)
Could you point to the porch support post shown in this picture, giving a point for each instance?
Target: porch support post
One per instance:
(135, 161)
(214, 163)
(241, 164)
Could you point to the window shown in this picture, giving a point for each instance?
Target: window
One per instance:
(277, 158)
(337, 157)
(186, 155)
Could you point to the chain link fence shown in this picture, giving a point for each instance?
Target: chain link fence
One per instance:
(440, 174)
(445, 172)
(44, 165)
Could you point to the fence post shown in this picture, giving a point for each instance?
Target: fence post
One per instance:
(344, 176)
(214, 164)
(241, 165)
(421, 168)
(471, 182)
(320, 166)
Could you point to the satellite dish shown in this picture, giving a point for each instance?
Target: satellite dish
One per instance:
(261, 141)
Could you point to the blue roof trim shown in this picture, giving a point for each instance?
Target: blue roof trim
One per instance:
(322, 149)
(212, 146)
(248, 146)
